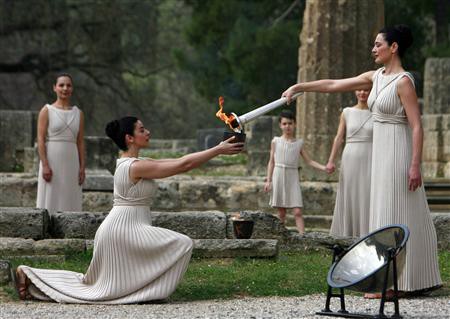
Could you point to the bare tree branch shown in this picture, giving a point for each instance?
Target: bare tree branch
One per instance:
(285, 13)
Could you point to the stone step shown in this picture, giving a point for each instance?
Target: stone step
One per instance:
(311, 221)
(194, 193)
(438, 194)
(24, 222)
(15, 247)
(232, 248)
(35, 223)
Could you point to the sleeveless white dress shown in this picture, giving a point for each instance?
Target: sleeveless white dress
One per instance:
(132, 260)
(62, 193)
(285, 180)
(352, 206)
(390, 201)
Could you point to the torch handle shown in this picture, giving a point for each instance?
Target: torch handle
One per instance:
(247, 117)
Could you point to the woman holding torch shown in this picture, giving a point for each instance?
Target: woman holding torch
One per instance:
(397, 192)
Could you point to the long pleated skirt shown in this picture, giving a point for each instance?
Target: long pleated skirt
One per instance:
(132, 262)
(393, 203)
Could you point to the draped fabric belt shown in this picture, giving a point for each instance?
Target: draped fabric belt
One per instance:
(285, 166)
(132, 202)
(61, 139)
(360, 139)
(389, 118)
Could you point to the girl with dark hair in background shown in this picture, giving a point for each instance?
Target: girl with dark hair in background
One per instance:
(397, 193)
(60, 136)
(282, 171)
(132, 260)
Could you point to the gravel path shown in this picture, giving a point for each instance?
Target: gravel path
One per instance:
(250, 308)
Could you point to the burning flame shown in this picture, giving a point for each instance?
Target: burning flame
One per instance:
(221, 115)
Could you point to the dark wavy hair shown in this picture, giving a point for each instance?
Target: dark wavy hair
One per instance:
(59, 75)
(401, 34)
(118, 129)
(287, 114)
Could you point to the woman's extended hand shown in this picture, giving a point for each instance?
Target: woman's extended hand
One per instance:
(47, 173)
(288, 94)
(227, 147)
(414, 178)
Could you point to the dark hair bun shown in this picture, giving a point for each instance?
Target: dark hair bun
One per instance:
(118, 129)
(405, 35)
(112, 128)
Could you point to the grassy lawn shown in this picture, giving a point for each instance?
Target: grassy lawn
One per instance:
(294, 274)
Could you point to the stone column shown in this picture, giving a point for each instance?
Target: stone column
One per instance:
(436, 119)
(336, 42)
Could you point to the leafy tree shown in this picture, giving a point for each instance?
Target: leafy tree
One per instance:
(429, 24)
(244, 50)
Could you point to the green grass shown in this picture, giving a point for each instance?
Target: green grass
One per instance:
(295, 274)
(289, 275)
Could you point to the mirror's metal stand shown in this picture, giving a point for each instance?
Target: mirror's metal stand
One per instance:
(337, 252)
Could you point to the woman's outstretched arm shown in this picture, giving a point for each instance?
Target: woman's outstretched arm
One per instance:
(360, 82)
(151, 169)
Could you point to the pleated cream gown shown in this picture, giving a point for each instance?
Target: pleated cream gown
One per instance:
(391, 201)
(62, 193)
(285, 180)
(352, 206)
(132, 261)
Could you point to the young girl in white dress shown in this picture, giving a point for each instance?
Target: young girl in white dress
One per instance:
(282, 171)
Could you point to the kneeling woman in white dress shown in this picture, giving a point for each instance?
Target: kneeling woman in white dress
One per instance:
(132, 260)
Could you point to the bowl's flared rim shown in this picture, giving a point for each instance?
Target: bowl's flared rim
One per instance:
(399, 249)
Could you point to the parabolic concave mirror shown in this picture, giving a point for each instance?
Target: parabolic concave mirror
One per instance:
(363, 267)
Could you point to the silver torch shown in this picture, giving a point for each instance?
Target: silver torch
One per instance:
(237, 123)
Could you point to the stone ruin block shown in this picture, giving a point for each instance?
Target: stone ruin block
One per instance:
(16, 133)
(207, 224)
(232, 248)
(76, 224)
(17, 189)
(437, 86)
(98, 180)
(101, 153)
(207, 138)
(24, 222)
(97, 201)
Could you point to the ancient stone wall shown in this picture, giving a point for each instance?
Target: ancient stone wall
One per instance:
(336, 42)
(436, 118)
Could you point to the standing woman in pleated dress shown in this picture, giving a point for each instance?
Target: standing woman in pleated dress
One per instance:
(397, 194)
(132, 261)
(60, 135)
(352, 206)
